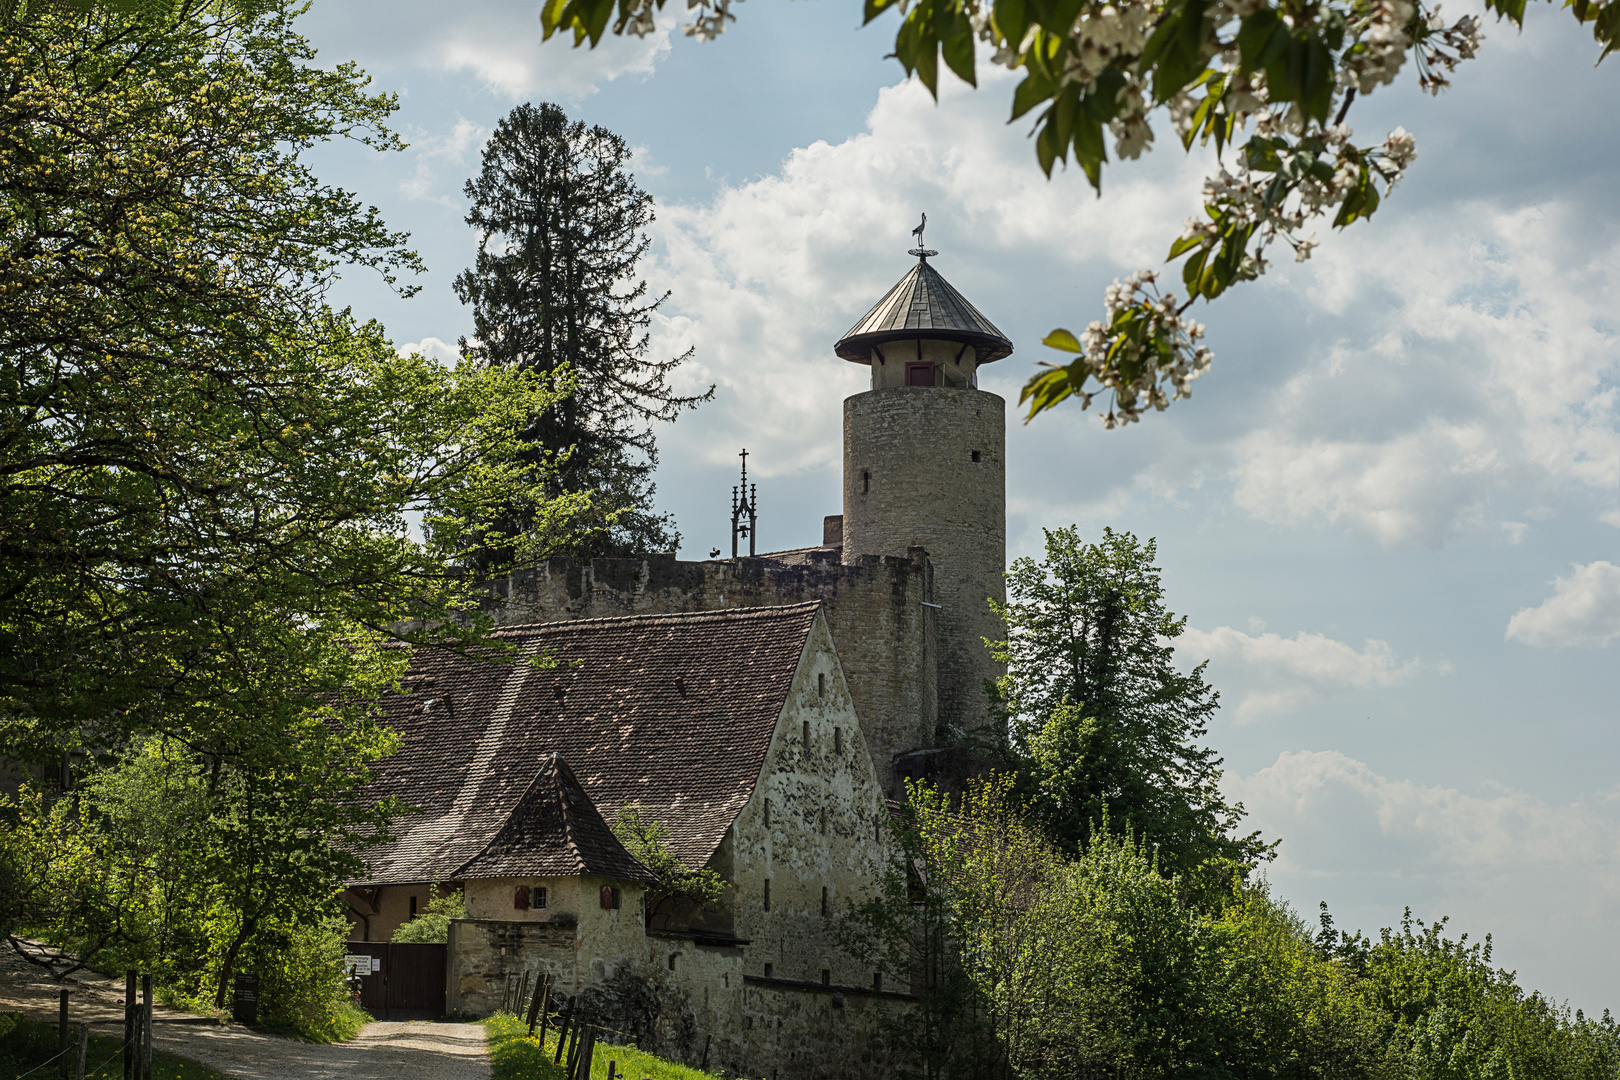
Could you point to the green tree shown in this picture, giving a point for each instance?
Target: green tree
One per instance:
(434, 923)
(1105, 729)
(222, 503)
(561, 225)
(678, 890)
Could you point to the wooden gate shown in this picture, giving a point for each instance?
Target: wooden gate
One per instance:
(408, 980)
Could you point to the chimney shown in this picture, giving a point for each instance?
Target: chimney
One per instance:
(832, 530)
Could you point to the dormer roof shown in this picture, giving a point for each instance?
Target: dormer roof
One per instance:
(923, 305)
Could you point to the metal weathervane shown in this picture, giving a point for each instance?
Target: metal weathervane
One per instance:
(920, 251)
(744, 504)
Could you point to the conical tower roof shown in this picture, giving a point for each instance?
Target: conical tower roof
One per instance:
(923, 301)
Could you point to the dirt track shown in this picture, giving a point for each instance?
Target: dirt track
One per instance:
(383, 1051)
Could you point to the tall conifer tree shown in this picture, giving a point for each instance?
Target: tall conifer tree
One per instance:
(561, 227)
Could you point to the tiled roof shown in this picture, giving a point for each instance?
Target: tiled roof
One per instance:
(923, 300)
(672, 711)
(554, 831)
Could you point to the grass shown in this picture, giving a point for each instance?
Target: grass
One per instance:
(26, 1044)
(516, 1055)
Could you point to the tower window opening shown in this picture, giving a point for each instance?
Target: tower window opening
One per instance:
(824, 904)
(826, 976)
(807, 736)
(767, 894)
(838, 740)
(769, 967)
(672, 960)
(767, 813)
(413, 907)
(821, 684)
(866, 482)
(920, 374)
(976, 456)
(877, 981)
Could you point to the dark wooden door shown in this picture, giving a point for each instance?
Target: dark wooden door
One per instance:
(415, 979)
(409, 982)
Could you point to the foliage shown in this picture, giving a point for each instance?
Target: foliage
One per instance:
(208, 478)
(560, 223)
(677, 886)
(514, 1054)
(907, 929)
(25, 1044)
(1269, 82)
(1103, 728)
(303, 986)
(433, 925)
(1098, 965)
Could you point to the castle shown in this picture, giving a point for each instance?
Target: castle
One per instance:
(765, 709)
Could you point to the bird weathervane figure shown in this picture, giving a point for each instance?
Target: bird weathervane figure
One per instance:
(920, 251)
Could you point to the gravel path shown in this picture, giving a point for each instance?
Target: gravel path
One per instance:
(426, 1050)
(382, 1051)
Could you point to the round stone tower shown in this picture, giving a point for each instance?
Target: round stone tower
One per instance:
(925, 466)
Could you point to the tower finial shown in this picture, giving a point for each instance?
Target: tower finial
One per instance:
(744, 504)
(920, 251)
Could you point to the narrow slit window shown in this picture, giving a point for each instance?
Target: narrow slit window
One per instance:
(807, 735)
(767, 813)
(866, 482)
(821, 684)
(826, 976)
(413, 907)
(824, 900)
(838, 740)
(767, 894)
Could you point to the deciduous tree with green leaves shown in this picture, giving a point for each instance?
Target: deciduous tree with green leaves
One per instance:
(1102, 725)
(223, 505)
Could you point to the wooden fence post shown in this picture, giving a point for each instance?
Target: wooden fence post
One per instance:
(146, 1027)
(562, 1032)
(131, 1047)
(84, 1050)
(538, 1005)
(62, 1036)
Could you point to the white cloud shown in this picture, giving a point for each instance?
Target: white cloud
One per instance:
(1584, 609)
(1291, 672)
(769, 273)
(494, 42)
(1610, 517)
(1541, 875)
(1476, 376)
(445, 352)
(432, 154)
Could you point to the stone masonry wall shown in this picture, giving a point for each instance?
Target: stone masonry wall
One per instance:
(926, 467)
(877, 608)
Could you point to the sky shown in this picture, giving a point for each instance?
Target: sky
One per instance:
(1390, 512)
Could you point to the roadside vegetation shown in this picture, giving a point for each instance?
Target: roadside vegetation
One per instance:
(25, 1044)
(514, 1054)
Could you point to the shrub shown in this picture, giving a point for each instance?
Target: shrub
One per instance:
(433, 925)
(303, 989)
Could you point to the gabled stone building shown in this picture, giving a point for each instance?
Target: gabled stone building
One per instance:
(760, 708)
